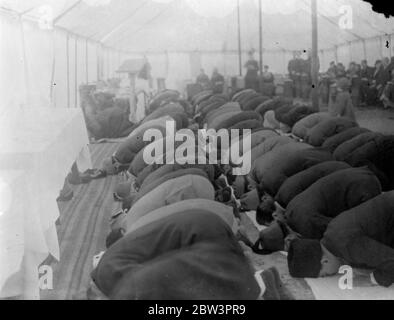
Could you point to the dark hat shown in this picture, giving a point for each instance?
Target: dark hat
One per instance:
(384, 274)
(113, 237)
(304, 258)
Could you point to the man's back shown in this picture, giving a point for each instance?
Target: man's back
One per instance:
(310, 212)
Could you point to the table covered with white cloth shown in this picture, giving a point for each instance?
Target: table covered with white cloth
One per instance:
(37, 149)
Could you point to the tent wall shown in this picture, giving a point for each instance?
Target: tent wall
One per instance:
(44, 67)
(370, 49)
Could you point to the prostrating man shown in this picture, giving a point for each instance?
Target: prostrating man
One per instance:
(301, 181)
(274, 167)
(310, 212)
(186, 184)
(335, 141)
(271, 170)
(303, 126)
(360, 237)
(373, 150)
(328, 128)
(187, 250)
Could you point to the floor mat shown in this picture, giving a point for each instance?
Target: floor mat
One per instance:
(299, 288)
(82, 229)
(329, 289)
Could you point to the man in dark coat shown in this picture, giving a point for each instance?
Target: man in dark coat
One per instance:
(273, 168)
(360, 237)
(217, 81)
(295, 69)
(328, 128)
(162, 260)
(203, 80)
(366, 75)
(373, 150)
(310, 212)
(252, 68)
(301, 181)
(335, 141)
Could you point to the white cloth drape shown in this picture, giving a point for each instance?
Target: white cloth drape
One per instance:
(40, 147)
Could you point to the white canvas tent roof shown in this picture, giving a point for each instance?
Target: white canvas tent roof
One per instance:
(204, 25)
(48, 48)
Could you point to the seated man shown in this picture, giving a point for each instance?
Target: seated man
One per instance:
(183, 251)
(362, 237)
(341, 104)
(388, 93)
(217, 81)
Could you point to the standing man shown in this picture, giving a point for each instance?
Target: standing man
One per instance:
(366, 75)
(217, 81)
(294, 69)
(252, 67)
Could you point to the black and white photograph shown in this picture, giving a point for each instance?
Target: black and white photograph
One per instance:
(214, 151)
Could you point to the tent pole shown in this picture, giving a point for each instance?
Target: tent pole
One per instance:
(380, 47)
(261, 44)
(76, 74)
(87, 60)
(315, 69)
(68, 70)
(239, 40)
(261, 37)
(365, 49)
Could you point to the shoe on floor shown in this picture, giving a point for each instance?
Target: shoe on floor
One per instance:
(65, 196)
(275, 289)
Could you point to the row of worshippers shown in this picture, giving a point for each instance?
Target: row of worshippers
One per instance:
(176, 214)
(177, 236)
(370, 86)
(327, 198)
